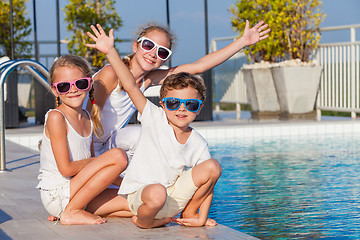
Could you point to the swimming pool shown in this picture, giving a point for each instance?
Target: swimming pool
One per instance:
(289, 188)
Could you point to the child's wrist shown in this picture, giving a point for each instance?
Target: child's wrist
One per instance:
(111, 50)
(240, 43)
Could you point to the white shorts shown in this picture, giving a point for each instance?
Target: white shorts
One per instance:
(178, 196)
(56, 200)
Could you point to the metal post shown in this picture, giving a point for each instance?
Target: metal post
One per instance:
(352, 75)
(35, 33)
(238, 111)
(206, 28)
(4, 74)
(167, 13)
(206, 113)
(318, 114)
(217, 110)
(2, 128)
(12, 31)
(168, 23)
(58, 28)
(352, 34)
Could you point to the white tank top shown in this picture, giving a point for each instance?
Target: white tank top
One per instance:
(79, 148)
(116, 113)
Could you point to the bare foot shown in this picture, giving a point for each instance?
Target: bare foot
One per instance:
(80, 217)
(155, 222)
(210, 222)
(51, 218)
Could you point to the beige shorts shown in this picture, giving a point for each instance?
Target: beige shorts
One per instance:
(178, 195)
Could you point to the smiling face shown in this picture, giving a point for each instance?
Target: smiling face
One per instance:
(74, 98)
(181, 118)
(149, 60)
(183, 86)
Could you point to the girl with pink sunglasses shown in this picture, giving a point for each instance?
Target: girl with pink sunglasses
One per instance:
(151, 49)
(72, 182)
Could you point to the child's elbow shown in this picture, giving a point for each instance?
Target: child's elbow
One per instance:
(66, 172)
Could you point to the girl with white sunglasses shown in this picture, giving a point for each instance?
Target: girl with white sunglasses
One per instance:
(151, 49)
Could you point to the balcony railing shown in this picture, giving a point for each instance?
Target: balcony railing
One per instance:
(339, 86)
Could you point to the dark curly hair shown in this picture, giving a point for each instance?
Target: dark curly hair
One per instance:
(183, 80)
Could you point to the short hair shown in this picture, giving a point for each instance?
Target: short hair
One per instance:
(183, 80)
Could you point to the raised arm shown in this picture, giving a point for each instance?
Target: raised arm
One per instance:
(250, 36)
(105, 44)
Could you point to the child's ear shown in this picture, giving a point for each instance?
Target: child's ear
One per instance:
(162, 104)
(198, 111)
(134, 46)
(54, 91)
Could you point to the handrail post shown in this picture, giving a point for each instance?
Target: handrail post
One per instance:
(2, 129)
(352, 74)
(3, 75)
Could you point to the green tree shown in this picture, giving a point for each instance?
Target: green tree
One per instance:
(22, 29)
(80, 14)
(294, 27)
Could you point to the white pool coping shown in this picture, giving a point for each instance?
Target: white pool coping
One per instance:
(27, 140)
(224, 132)
(278, 130)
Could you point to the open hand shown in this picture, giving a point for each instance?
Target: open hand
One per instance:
(255, 34)
(102, 42)
(188, 222)
(194, 222)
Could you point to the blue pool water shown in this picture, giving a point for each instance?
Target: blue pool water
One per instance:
(298, 188)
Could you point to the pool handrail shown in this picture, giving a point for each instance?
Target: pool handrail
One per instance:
(40, 73)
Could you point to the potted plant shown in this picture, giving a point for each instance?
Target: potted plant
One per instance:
(293, 39)
(261, 91)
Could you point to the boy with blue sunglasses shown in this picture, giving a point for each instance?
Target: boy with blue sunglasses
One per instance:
(157, 183)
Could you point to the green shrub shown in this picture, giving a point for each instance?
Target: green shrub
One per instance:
(80, 14)
(22, 29)
(294, 27)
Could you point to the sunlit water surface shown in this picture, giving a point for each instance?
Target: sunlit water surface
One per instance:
(297, 188)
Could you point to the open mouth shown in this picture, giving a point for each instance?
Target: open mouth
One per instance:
(148, 60)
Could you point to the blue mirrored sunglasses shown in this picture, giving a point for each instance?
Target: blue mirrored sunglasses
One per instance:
(172, 104)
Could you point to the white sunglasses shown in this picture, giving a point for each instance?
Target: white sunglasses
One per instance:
(148, 45)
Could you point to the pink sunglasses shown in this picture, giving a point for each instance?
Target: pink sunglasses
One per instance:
(82, 84)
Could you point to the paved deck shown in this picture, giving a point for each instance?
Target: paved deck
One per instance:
(22, 215)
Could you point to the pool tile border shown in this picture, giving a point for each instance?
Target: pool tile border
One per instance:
(283, 130)
(239, 132)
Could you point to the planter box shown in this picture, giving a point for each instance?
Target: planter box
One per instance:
(262, 93)
(296, 87)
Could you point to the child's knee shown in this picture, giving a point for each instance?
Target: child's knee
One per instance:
(154, 195)
(214, 168)
(118, 157)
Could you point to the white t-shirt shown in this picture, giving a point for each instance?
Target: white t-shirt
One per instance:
(159, 157)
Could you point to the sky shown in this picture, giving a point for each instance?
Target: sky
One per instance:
(186, 21)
